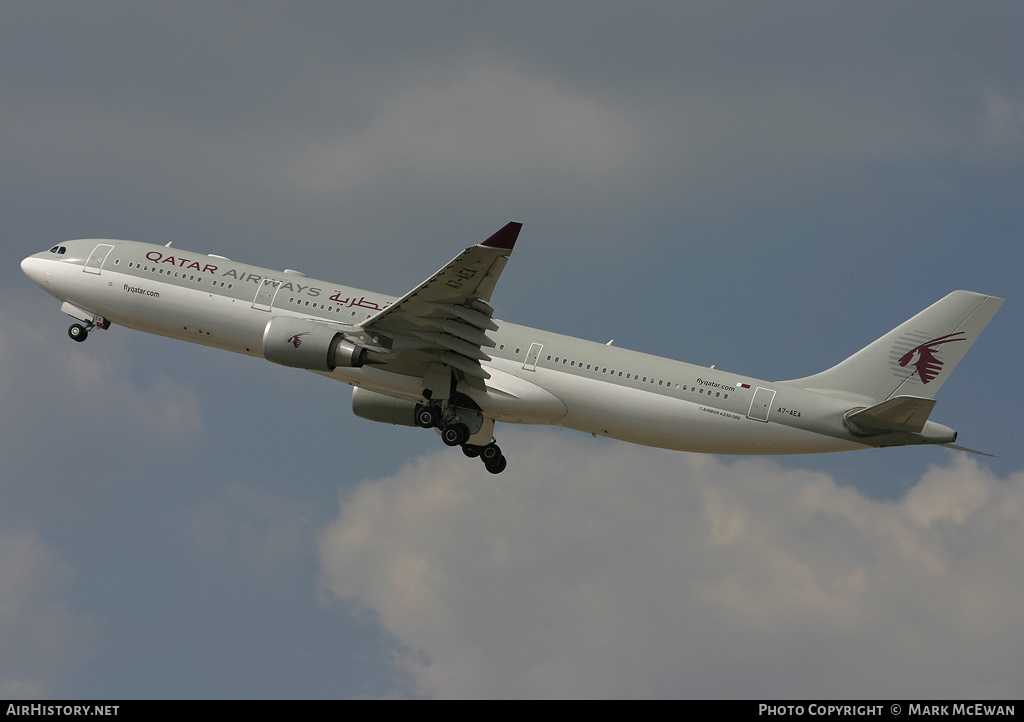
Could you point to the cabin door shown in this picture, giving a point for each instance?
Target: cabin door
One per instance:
(94, 263)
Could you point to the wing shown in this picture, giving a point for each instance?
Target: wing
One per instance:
(440, 326)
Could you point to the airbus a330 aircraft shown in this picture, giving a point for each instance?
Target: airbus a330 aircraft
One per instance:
(437, 358)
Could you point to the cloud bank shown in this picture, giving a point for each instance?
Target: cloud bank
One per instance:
(41, 635)
(599, 570)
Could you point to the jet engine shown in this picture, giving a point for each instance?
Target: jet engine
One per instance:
(304, 344)
(385, 409)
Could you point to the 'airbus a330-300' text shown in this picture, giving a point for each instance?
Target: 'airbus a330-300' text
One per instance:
(437, 357)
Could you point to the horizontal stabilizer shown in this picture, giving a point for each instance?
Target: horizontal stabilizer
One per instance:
(902, 413)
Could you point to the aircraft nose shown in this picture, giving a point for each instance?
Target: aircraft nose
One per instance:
(33, 268)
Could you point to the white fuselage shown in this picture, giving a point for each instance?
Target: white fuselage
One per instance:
(536, 377)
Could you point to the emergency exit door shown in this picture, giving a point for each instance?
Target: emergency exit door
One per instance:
(761, 404)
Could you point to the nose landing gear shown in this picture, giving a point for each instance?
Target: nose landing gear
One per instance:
(77, 331)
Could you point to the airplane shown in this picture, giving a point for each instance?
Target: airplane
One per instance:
(438, 359)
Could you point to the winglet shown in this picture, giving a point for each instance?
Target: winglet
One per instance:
(505, 238)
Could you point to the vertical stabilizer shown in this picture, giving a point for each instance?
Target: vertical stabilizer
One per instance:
(915, 358)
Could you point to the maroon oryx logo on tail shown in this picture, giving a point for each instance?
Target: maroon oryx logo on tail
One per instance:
(296, 340)
(927, 365)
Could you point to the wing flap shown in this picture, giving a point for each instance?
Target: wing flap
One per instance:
(453, 343)
(472, 316)
(445, 318)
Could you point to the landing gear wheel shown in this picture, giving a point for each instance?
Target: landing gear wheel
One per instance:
(428, 417)
(496, 465)
(78, 332)
(471, 450)
(490, 452)
(455, 434)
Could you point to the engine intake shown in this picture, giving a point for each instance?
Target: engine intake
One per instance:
(304, 344)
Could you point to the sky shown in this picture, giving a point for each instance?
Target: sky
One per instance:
(766, 187)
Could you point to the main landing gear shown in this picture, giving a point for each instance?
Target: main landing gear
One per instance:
(456, 433)
(491, 455)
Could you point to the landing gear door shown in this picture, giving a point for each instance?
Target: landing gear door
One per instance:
(94, 262)
(761, 404)
(532, 355)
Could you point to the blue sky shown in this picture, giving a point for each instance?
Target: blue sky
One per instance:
(763, 187)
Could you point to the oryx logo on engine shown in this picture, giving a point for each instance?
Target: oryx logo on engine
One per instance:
(296, 340)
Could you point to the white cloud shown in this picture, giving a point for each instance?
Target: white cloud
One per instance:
(594, 569)
(523, 136)
(81, 420)
(41, 635)
(263, 532)
(1002, 127)
(85, 386)
(486, 124)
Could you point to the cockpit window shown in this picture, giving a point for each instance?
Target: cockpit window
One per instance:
(59, 250)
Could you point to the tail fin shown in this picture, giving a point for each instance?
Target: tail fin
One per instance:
(915, 358)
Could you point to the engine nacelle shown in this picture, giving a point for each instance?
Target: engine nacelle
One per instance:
(304, 344)
(385, 409)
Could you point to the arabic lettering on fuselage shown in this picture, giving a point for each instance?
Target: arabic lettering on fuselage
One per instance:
(362, 302)
(257, 279)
